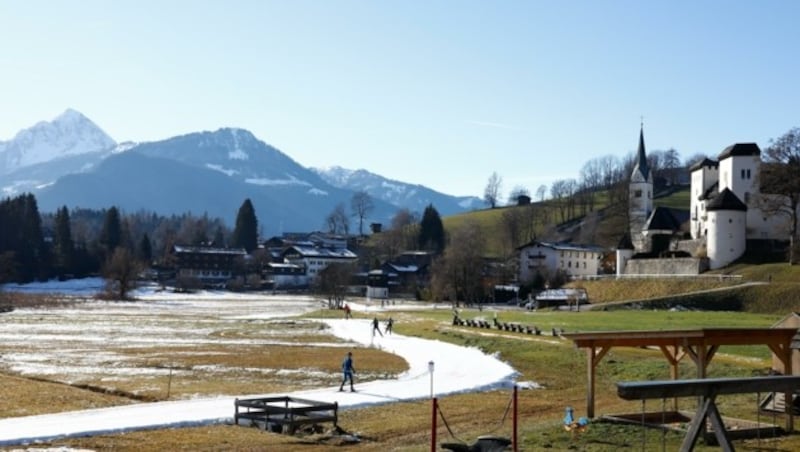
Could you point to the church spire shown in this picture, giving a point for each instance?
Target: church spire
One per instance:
(641, 169)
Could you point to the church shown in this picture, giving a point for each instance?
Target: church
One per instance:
(723, 216)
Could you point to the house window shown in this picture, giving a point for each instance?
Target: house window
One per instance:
(637, 194)
(748, 174)
(743, 174)
(747, 197)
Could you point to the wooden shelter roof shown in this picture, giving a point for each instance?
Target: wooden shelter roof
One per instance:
(699, 344)
(705, 336)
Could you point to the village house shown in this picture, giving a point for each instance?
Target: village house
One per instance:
(314, 258)
(207, 265)
(548, 258)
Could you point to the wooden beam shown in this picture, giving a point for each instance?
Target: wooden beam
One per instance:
(706, 387)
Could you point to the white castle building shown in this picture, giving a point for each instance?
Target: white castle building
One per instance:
(724, 210)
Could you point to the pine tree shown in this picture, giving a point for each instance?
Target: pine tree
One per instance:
(111, 234)
(29, 243)
(145, 249)
(63, 245)
(245, 234)
(431, 231)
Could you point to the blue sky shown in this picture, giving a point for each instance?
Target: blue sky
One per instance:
(440, 93)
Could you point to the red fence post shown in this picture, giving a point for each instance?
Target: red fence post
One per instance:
(514, 444)
(433, 425)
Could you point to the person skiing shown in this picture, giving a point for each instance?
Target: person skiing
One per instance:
(389, 323)
(347, 314)
(376, 327)
(348, 370)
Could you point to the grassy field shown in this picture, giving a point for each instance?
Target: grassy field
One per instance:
(550, 361)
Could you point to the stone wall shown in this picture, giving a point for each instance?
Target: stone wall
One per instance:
(667, 266)
(693, 247)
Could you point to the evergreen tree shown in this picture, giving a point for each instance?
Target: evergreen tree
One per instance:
(111, 234)
(245, 234)
(219, 237)
(145, 249)
(431, 231)
(28, 244)
(63, 246)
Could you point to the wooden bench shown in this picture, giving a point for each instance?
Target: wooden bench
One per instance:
(286, 412)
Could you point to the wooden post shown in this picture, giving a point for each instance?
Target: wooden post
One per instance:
(593, 357)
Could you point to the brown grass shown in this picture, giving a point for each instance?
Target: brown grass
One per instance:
(27, 396)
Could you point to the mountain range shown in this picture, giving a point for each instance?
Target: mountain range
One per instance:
(70, 161)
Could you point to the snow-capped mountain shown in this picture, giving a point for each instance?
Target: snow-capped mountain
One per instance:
(71, 162)
(69, 134)
(208, 173)
(412, 197)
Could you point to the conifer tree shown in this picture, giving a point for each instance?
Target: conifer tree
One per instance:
(245, 234)
(63, 245)
(145, 249)
(431, 231)
(29, 245)
(111, 234)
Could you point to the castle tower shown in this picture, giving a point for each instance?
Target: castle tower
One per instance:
(705, 180)
(640, 197)
(727, 218)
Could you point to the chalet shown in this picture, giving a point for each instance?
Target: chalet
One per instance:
(209, 265)
(378, 283)
(408, 271)
(281, 275)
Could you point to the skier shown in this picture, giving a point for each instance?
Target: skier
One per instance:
(389, 324)
(348, 370)
(376, 327)
(347, 314)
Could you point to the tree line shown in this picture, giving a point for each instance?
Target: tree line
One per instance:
(82, 242)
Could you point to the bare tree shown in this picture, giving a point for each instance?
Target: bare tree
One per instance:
(693, 159)
(491, 195)
(362, 206)
(456, 275)
(401, 235)
(780, 178)
(541, 192)
(121, 273)
(512, 222)
(332, 282)
(562, 191)
(337, 221)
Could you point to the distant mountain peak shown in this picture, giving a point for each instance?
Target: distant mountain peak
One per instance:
(414, 197)
(70, 133)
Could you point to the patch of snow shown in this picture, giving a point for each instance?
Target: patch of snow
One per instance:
(457, 369)
(318, 192)
(227, 172)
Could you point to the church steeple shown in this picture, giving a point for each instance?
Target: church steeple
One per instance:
(640, 197)
(641, 172)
